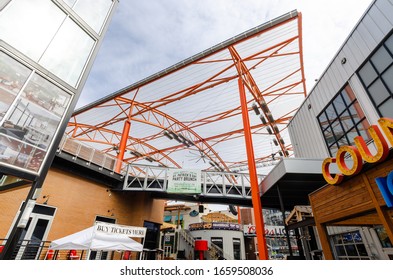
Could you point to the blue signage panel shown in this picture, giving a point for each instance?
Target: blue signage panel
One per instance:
(385, 185)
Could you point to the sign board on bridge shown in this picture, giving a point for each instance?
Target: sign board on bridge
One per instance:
(184, 181)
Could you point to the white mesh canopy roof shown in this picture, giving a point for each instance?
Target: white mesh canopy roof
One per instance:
(189, 115)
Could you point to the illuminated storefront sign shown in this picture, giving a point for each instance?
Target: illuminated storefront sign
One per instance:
(360, 152)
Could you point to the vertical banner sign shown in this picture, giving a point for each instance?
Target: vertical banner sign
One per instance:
(184, 181)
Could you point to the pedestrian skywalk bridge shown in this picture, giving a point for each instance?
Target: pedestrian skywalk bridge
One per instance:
(216, 186)
(213, 183)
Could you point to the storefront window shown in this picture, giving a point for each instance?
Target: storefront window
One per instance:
(377, 77)
(343, 120)
(349, 246)
(236, 249)
(383, 237)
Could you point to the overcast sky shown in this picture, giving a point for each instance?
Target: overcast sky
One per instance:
(145, 37)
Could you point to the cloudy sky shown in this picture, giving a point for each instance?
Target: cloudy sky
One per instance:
(145, 37)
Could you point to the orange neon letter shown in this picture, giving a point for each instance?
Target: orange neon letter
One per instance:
(326, 173)
(357, 160)
(387, 127)
(379, 142)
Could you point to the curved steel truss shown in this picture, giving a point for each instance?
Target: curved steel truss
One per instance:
(189, 115)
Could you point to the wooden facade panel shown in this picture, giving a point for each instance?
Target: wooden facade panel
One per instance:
(343, 214)
(354, 204)
(351, 197)
(368, 219)
(358, 197)
(333, 194)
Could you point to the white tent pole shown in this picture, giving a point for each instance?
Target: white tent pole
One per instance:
(143, 245)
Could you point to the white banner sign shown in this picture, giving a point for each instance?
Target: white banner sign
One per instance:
(184, 181)
(114, 229)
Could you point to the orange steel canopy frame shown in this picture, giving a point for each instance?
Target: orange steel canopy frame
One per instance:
(190, 115)
(196, 102)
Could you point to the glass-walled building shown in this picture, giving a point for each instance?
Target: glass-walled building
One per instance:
(47, 48)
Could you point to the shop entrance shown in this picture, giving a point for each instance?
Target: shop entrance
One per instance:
(33, 237)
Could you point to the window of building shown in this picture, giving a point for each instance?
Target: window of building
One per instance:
(34, 24)
(383, 237)
(49, 36)
(95, 18)
(236, 249)
(218, 242)
(13, 76)
(29, 118)
(343, 120)
(349, 246)
(377, 77)
(65, 59)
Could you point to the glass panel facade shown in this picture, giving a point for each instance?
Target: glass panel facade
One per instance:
(381, 59)
(386, 109)
(368, 74)
(34, 24)
(13, 75)
(31, 123)
(68, 53)
(377, 77)
(343, 120)
(95, 18)
(70, 2)
(33, 100)
(3, 3)
(44, 33)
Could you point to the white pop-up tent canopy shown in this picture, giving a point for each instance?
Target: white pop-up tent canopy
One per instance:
(102, 236)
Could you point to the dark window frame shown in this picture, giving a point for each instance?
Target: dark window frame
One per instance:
(333, 130)
(379, 77)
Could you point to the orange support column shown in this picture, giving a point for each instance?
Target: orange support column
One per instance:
(255, 195)
(123, 145)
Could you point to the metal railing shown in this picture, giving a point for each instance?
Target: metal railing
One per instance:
(214, 183)
(40, 250)
(154, 178)
(89, 155)
(187, 237)
(30, 250)
(215, 252)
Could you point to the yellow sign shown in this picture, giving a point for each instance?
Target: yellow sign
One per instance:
(360, 152)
